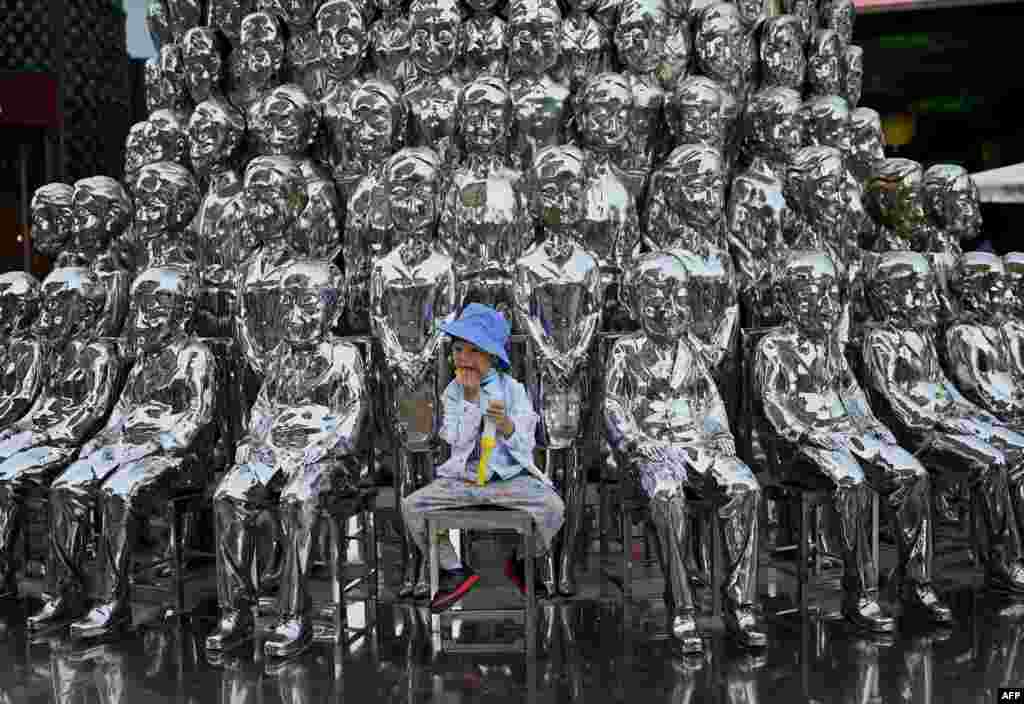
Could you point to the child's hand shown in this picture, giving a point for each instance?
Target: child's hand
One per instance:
(496, 410)
(470, 380)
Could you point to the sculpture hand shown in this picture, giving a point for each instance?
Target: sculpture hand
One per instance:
(726, 445)
(825, 441)
(242, 452)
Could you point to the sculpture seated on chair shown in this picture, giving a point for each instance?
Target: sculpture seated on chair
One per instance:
(295, 458)
(668, 426)
(819, 413)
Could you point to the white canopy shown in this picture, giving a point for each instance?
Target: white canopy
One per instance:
(1002, 185)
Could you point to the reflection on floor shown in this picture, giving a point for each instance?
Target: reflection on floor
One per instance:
(594, 649)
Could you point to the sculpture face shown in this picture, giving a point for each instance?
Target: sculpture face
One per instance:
(342, 35)
(824, 65)
(819, 176)
(227, 15)
(561, 187)
(71, 299)
(166, 199)
(806, 12)
(295, 13)
(51, 217)
(19, 302)
(782, 54)
(696, 114)
(838, 15)
(641, 34)
(952, 200)
(284, 121)
(310, 297)
(214, 135)
(273, 197)
(412, 182)
(162, 306)
(435, 32)
(904, 289)
(775, 127)
(751, 11)
(697, 186)
(135, 146)
(658, 291)
(810, 293)
(486, 109)
(981, 284)
(606, 111)
(827, 123)
(866, 141)
(896, 194)
(1014, 265)
(375, 122)
(719, 41)
(853, 75)
(203, 63)
(261, 51)
(100, 211)
(165, 138)
(535, 36)
(174, 83)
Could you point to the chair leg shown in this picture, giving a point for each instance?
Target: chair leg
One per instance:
(338, 549)
(177, 552)
(435, 575)
(806, 516)
(372, 551)
(715, 562)
(531, 594)
(627, 551)
(875, 529)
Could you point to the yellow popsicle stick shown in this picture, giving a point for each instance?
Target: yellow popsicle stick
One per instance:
(487, 445)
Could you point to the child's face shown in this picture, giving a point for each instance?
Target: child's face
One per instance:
(470, 357)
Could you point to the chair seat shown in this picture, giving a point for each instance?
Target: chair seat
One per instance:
(482, 518)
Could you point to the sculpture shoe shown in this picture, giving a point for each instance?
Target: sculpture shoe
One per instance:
(291, 636)
(566, 582)
(59, 611)
(8, 581)
(235, 627)
(684, 630)
(1007, 579)
(409, 575)
(102, 620)
(741, 622)
(868, 614)
(922, 601)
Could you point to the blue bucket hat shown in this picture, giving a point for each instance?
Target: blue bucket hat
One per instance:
(484, 327)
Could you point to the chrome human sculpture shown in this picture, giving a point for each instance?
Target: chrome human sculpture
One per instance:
(157, 440)
(302, 52)
(611, 227)
(203, 56)
(757, 214)
(101, 212)
(806, 11)
(272, 199)
(341, 31)
(867, 143)
(825, 56)
(413, 292)
(78, 377)
(695, 112)
(166, 82)
(853, 74)
(640, 39)
(22, 370)
(483, 42)
(51, 218)
(166, 199)
(259, 58)
(822, 421)
(226, 16)
(184, 14)
(432, 97)
(586, 45)
(390, 36)
(952, 206)
(895, 200)
(134, 148)
(668, 427)
(719, 46)
(675, 60)
(947, 432)
(216, 132)
(559, 296)
(839, 16)
(162, 137)
(296, 456)
(541, 103)
(781, 50)
(363, 133)
(1012, 325)
(485, 222)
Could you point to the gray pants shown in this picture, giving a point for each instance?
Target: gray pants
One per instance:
(524, 493)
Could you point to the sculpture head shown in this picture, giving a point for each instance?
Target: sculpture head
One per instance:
(312, 295)
(1013, 263)
(158, 23)
(782, 52)
(413, 184)
(606, 106)
(902, 289)
(980, 284)
(390, 7)
(260, 51)
(807, 286)
(751, 12)
(694, 183)
(203, 54)
(825, 58)
(772, 123)
(19, 302)
(154, 83)
(656, 289)
(100, 212)
(166, 82)
(641, 33)
(826, 122)
(952, 201)
(376, 119)
(894, 195)
(341, 29)
(815, 181)
(718, 41)
(535, 36)
(560, 187)
(51, 217)
(166, 199)
(867, 141)
(839, 15)
(185, 14)
(695, 112)
(165, 138)
(297, 14)
(226, 16)
(274, 196)
(434, 43)
(135, 146)
(73, 299)
(215, 133)
(485, 115)
(482, 7)
(285, 121)
(162, 307)
(853, 74)
(806, 11)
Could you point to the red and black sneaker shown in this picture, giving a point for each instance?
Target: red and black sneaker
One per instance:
(454, 585)
(515, 570)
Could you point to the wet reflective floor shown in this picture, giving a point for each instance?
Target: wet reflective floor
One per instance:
(598, 648)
